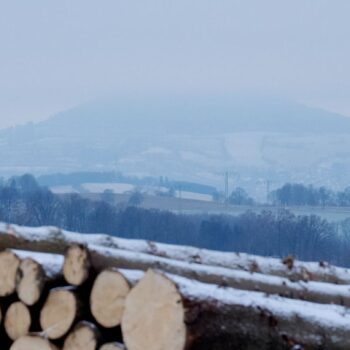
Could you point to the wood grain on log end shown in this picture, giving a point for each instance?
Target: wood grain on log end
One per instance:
(112, 346)
(76, 265)
(32, 343)
(107, 298)
(17, 320)
(58, 313)
(154, 315)
(9, 263)
(84, 336)
(30, 281)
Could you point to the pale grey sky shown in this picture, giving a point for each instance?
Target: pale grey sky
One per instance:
(56, 54)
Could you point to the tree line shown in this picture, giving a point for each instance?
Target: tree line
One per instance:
(300, 195)
(24, 202)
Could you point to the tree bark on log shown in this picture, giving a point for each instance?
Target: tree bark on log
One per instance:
(108, 297)
(17, 321)
(56, 240)
(173, 313)
(85, 336)
(32, 342)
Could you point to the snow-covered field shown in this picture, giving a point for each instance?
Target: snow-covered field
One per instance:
(63, 189)
(101, 187)
(194, 196)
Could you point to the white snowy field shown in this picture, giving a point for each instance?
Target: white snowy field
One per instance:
(116, 187)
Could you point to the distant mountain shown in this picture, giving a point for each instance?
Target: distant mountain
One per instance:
(187, 138)
(194, 114)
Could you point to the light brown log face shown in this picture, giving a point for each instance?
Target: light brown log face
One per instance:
(17, 321)
(59, 312)
(30, 281)
(9, 263)
(76, 265)
(112, 346)
(108, 298)
(154, 315)
(32, 343)
(83, 337)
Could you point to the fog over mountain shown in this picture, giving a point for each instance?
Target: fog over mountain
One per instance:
(188, 138)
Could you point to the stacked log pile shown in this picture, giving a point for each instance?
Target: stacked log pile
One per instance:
(62, 290)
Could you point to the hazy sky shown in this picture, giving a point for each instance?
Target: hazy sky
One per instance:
(56, 54)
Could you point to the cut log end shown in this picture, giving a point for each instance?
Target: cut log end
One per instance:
(59, 312)
(30, 281)
(32, 343)
(112, 346)
(108, 298)
(76, 265)
(17, 321)
(154, 315)
(9, 263)
(83, 337)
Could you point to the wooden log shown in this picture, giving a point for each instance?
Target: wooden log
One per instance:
(85, 336)
(17, 321)
(5, 304)
(30, 281)
(174, 313)
(57, 241)
(9, 263)
(312, 291)
(107, 298)
(32, 342)
(102, 258)
(113, 346)
(59, 312)
(50, 262)
(36, 275)
(76, 264)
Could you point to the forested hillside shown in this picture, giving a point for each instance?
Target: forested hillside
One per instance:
(23, 202)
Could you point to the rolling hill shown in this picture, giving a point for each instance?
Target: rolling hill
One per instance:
(188, 138)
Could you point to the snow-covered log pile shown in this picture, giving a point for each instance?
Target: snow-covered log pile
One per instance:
(64, 290)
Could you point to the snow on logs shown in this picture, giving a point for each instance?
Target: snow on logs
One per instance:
(102, 257)
(55, 240)
(96, 297)
(313, 291)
